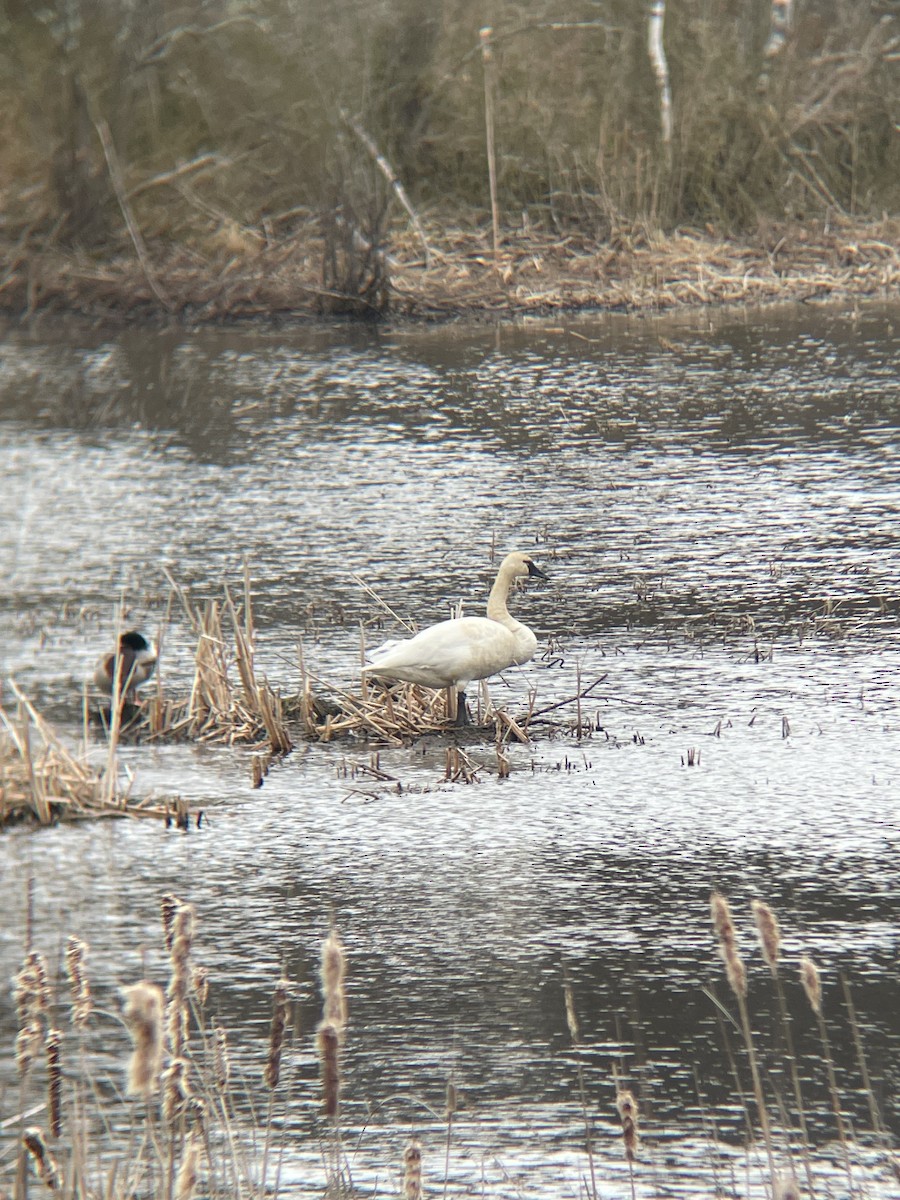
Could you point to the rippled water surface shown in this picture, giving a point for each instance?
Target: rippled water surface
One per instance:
(716, 503)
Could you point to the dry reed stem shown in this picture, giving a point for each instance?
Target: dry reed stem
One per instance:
(769, 931)
(812, 985)
(737, 978)
(143, 1015)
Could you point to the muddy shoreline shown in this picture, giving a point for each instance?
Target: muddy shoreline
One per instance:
(456, 276)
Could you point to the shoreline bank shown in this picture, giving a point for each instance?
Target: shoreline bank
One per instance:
(237, 276)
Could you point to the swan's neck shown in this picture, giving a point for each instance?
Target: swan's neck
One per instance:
(496, 605)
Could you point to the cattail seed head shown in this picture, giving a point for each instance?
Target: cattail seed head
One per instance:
(221, 1059)
(452, 1103)
(52, 1044)
(29, 1040)
(571, 1015)
(412, 1170)
(769, 934)
(168, 906)
(812, 984)
(143, 1015)
(628, 1113)
(41, 1159)
(328, 1043)
(200, 982)
(32, 989)
(785, 1188)
(276, 1032)
(724, 927)
(79, 987)
(176, 1090)
(186, 1179)
(333, 972)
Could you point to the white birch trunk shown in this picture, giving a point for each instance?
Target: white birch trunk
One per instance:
(660, 68)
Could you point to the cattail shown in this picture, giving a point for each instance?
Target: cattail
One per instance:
(328, 1042)
(333, 971)
(143, 1014)
(42, 1160)
(168, 906)
(785, 1188)
(221, 1059)
(32, 989)
(812, 984)
(79, 987)
(52, 1044)
(769, 934)
(628, 1112)
(176, 1090)
(276, 1033)
(182, 936)
(724, 926)
(186, 1180)
(571, 1015)
(452, 1101)
(200, 983)
(412, 1170)
(29, 1040)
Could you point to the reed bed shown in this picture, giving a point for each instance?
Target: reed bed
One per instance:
(219, 710)
(43, 780)
(192, 1121)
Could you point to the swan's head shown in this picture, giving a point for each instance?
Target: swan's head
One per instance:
(519, 566)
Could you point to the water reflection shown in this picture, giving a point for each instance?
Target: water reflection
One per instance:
(716, 506)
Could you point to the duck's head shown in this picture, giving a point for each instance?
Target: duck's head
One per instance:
(138, 655)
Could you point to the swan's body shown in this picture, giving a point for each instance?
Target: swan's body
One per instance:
(137, 662)
(453, 653)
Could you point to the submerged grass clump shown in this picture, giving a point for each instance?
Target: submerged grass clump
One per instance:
(190, 1123)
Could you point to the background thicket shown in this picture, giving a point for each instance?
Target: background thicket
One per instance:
(231, 119)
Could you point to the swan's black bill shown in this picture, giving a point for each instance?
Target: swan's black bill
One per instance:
(536, 571)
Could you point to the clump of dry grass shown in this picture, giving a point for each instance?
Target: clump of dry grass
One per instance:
(41, 779)
(218, 710)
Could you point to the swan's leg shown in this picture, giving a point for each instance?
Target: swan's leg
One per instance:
(462, 710)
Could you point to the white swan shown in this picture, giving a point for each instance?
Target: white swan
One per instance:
(452, 653)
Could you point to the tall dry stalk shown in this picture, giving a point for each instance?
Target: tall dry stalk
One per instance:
(177, 1012)
(575, 1035)
(769, 932)
(812, 986)
(737, 978)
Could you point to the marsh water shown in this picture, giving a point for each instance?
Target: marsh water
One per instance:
(715, 501)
